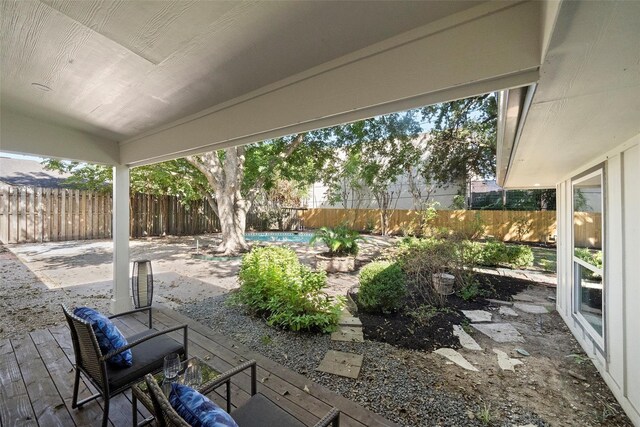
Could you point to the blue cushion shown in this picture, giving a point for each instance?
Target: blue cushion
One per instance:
(108, 336)
(197, 409)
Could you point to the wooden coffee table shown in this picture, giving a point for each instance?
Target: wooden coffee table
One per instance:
(140, 392)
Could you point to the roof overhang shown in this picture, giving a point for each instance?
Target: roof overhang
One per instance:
(586, 103)
(462, 49)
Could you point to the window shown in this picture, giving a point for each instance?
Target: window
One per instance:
(588, 251)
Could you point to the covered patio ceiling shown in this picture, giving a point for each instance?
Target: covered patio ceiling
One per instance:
(132, 83)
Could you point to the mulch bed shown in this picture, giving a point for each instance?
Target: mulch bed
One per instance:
(403, 330)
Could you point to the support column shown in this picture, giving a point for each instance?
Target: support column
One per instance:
(121, 300)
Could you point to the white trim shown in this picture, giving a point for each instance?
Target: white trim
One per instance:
(599, 340)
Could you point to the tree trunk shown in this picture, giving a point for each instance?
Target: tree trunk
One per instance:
(233, 220)
(225, 179)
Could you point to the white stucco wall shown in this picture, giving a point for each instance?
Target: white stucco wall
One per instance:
(619, 360)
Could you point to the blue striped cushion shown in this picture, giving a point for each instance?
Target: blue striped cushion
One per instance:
(108, 336)
(197, 409)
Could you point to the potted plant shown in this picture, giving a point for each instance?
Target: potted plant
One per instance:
(342, 243)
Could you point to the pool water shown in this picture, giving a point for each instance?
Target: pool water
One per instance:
(279, 237)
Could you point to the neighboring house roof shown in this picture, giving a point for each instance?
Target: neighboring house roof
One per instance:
(485, 186)
(20, 172)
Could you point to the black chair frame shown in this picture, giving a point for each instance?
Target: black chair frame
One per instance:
(93, 364)
(331, 418)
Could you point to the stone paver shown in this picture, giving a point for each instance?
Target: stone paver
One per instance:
(349, 321)
(477, 315)
(507, 311)
(499, 302)
(505, 362)
(466, 340)
(524, 297)
(531, 308)
(499, 332)
(348, 334)
(456, 358)
(341, 363)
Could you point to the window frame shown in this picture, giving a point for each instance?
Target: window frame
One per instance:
(599, 340)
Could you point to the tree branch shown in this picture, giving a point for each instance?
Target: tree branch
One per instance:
(251, 194)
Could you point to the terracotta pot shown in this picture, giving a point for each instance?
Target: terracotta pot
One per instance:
(335, 264)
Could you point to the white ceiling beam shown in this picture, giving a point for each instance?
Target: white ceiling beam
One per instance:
(24, 135)
(493, 46)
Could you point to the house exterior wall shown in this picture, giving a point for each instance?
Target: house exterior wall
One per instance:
(402, 197)
(618, 356)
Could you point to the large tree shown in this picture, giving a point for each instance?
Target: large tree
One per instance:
(378, 151)
(462, 142)
(237, 175)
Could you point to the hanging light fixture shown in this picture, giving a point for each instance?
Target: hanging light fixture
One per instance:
(142, 283)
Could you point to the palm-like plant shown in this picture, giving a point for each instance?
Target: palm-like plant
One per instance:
(340, 240)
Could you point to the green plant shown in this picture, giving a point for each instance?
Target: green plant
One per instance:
(382, 287)
(494, 253)
(484, 415)
(579, 359)
(469, 292)
(424, 313)
(340, 240)
(266, 339)
(459, 202)
(288, 294)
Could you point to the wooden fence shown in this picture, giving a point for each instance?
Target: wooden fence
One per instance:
(524, 226)
(29, 214)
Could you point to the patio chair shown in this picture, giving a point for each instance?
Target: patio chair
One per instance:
(148, 348)
(258, 411)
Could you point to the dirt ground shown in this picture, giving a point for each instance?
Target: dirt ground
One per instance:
(557, 380)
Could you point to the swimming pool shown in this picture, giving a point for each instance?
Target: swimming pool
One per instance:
(279, 237)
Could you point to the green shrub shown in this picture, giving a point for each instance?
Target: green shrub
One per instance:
(340, 240)
(288, 294)
(519, 256)
(382, 287)
(469, 292)
(494, 254)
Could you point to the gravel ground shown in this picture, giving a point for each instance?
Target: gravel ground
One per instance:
(398, 384)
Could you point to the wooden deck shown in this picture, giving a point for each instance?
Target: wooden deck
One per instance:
(36, 379)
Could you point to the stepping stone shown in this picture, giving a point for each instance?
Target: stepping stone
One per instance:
(456, 358)
(340, 363)
(349, 321)
(505, 362)
(499, 302)
(507, 311)
(524, 298)
(348, 334)
(499, 332)
(466, 340)
(477, 315)
(531, 308)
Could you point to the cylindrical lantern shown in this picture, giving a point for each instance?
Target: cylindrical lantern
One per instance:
(142, 283)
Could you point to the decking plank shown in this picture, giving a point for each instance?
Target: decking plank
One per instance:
(15, 406)
(238, 395)
(48, 405)
(63, 374)
(120, 413)
(350, 409)
(295, 401)
(54, 359)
